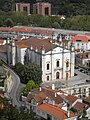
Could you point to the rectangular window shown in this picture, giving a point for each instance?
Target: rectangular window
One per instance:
(47, 11)
(47, 66)
(57, 63)
(47, 77)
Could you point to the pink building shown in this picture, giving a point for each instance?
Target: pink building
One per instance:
(21, 7)
(42, 8)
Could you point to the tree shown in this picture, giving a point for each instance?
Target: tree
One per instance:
(8, 22)
(55, 25)
(28, 72)
(30, 85)
(8, 112)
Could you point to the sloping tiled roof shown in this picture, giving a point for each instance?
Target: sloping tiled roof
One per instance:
(40, 97)
(79, 106)
(54, 111)
(81, 38)
(22, 46)
(26, 30)
(51, 94)
(36, 43)
(71, 99)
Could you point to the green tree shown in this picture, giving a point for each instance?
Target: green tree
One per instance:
(30, 85)
(28, 72)
(8, 22)
(56, 25)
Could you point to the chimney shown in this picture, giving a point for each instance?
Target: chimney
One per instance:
(55, 94)
(31, 47)
(36, 49)
(68, 113)
(43, 49)
(40, 89)
(53, 87)
(53, 102)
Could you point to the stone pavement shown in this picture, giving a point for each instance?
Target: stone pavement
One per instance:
(79, 79)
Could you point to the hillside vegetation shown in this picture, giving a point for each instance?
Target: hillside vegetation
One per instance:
(77, 14)
(62, 7)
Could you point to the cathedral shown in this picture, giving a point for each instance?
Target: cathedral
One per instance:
(55, 59)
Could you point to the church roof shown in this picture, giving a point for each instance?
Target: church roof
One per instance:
(36, 43)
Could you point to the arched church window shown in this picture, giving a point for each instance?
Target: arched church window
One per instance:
(47, 77)
(57, 63)
(47, 66)
(57, 75)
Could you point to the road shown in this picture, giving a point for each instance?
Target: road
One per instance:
(15, 89)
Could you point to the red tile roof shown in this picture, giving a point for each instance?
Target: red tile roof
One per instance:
(36, 43)
(79, 106)
(82, 38)
(71, 99)
(1, 41)
(40, 97)
(45, 92)
(22, 46)
(54, 111)
(27, 30)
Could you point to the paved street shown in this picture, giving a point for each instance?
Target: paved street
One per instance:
(16, 89)
(79, 79)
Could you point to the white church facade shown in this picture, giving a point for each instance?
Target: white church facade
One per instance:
(56, 62)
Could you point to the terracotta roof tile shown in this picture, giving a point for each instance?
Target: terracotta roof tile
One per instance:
(36, 43)
(79, 106)
(26, 30)
(55, 111)
(71, 99)
(49, 93)
(22, 46)
(80, 38)
(40, 97)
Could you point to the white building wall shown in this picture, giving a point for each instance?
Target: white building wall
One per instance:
(81, 45)
(41, 113)
(51, 58)
(22, 51)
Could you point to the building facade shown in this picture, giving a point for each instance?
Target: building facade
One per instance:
(22, 7)
(80, 42)
(80, 90)
(56, 62)
(42, 8)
